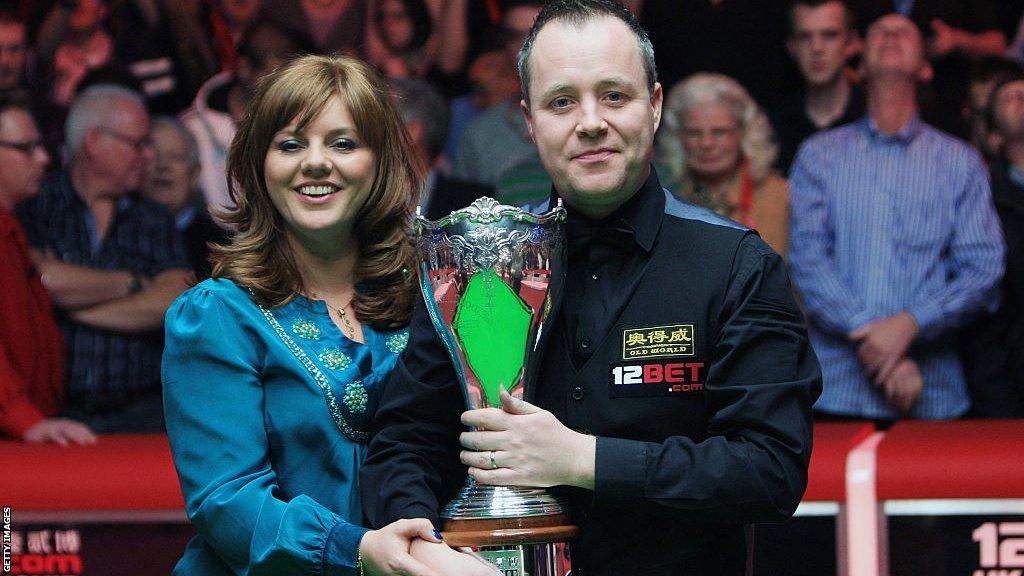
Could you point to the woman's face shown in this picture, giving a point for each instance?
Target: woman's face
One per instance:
(711, 138)
(319, 177)
(396, 26)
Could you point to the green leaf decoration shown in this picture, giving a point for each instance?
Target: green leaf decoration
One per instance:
(492, 322)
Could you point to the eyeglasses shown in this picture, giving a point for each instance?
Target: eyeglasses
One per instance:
(139, 144)
(29, 147)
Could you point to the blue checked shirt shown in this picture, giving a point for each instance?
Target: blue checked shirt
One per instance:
(886, 223)
(105, 368)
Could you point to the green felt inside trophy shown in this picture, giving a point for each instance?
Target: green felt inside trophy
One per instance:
(493, 324)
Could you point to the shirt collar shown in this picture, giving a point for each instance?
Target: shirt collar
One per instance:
(641, 214)
(905, 135)
(184, 218)
(67, 188)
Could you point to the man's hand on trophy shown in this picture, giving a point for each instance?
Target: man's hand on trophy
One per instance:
(523, 445)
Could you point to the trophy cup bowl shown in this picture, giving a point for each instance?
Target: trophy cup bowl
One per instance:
(485, 272)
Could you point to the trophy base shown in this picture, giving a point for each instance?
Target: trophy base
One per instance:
(487, 532)
(522, 531)
(526, 546)
(550, 559)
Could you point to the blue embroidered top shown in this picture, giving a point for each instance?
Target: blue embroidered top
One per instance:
(268, 413)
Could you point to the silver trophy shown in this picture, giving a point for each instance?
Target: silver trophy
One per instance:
(485, 272)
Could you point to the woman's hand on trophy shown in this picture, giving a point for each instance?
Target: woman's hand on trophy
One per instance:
(386, 552)
(523, 445)
(451, 562)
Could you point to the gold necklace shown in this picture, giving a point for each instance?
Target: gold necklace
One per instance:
(344, 319)
(348, 327)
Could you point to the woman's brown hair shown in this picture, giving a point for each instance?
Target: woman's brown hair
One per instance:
(258, 257)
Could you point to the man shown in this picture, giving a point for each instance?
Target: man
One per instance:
(993, 347)
(31, 366)
(894, 244)
(497, 139)
(661, 479)
(222, 100)
(13, 50)
(821, 41)
(111, 261)
(172, 184)
(958, 32)
(426, 117)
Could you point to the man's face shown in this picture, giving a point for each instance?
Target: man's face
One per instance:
(174, 172)
(12, 54)
(821, 42)
(1009, 110)
(894, 47)
(590, 112)
(121, 149)
(21, 156)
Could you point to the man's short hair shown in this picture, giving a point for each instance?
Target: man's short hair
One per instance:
(850, 19)
(94, 107)
(173, 123)
(578, 13)
(418, 101)
(14, 100)
(1001, 82)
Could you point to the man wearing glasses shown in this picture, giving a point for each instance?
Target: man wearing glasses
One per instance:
(111, 261)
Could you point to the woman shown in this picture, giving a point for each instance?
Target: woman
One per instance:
(31, 348)
(273, 368)
(399, 38)
(719, 151)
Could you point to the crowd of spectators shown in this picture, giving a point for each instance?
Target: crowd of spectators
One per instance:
(877, 144)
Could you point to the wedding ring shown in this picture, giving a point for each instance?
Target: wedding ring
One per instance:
(494, 463)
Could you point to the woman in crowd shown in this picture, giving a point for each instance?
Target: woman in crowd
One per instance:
(31, 349)
(719, 151)
(399, 38)
(272, 369)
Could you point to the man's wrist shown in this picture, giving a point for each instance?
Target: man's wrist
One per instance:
(135, 283)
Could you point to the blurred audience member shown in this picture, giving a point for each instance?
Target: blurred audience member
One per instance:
(719, 150)
(70, 43)
(173, 183)
(985, 75)
(334, 26)
(31, 351)
(221, 104)
(112, 262)
(426, 118)
(956, 32)
(821, 41)
(498, 138)
(493, 79)
(164, 49)
(228, 21)
(894, 245)
(13, 51)
(993, 347)
(400, 39)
